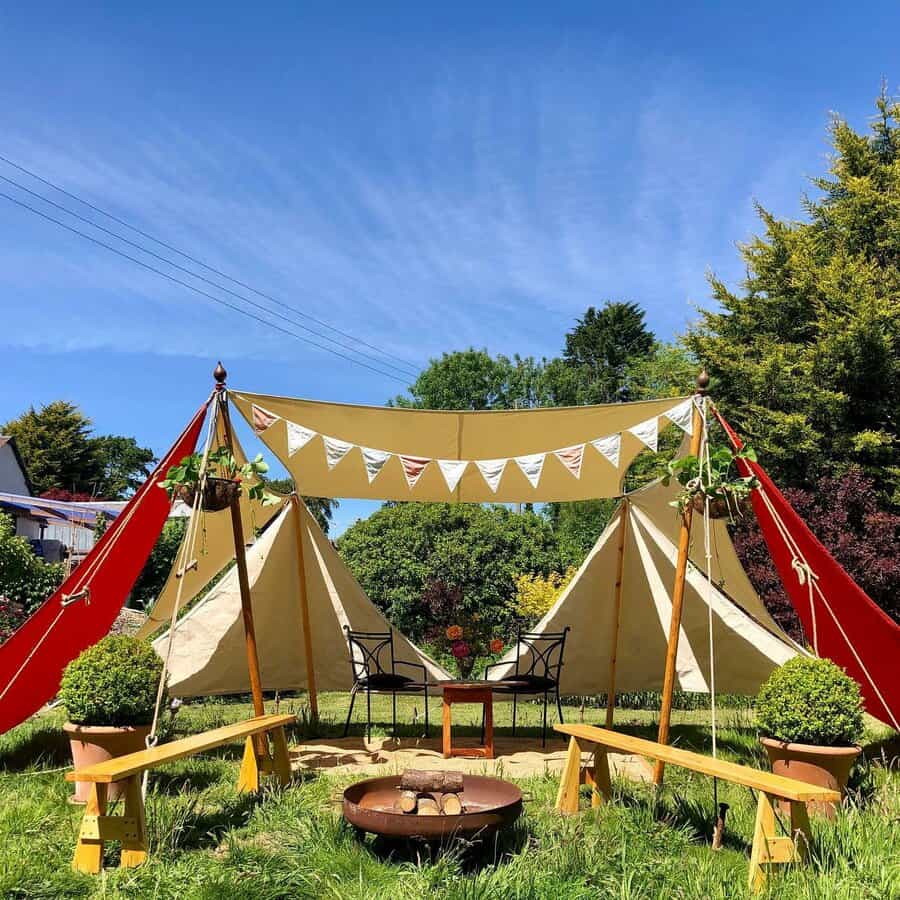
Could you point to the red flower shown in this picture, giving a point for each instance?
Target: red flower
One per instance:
(460, 649)
(496, 645)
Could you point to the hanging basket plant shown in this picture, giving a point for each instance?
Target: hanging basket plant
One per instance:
(716, 481)
(222, 483)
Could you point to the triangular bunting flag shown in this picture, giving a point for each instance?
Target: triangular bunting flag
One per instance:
(335, 450)
(609, 447)
(452, 470)
(647, 432)
(413, 467)
(532, 465)
(683, 415)
(571, 458)
(297, 437)
(262, 418)
(492, 471)
(374, 460)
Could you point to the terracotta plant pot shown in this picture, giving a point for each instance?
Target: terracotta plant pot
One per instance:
(827, 767)
(217, 494)
(97, 743)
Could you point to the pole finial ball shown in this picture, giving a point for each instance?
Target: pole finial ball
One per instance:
(219, 373)
(702, 381)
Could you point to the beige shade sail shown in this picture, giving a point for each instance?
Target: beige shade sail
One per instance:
(385, 453)
(208, 649)
(212, 550)
(745, 650)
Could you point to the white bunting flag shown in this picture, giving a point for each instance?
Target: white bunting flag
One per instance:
(374, 460)
(609, 447)
(413, 467)
(297, 437)
(335, 450)
(262, 418)
(683, 415)
(492, 471)
(452, 470)
(647, 432)
(571, 458)
(532, 465)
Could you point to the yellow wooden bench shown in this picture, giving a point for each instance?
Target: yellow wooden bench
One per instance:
(768, 846)
(130, 827)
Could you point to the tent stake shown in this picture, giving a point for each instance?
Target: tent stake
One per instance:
(304, 613)
(620, 567)
(684, 542)
(240, 554)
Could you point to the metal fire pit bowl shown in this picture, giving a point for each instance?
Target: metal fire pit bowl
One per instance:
(489, 804)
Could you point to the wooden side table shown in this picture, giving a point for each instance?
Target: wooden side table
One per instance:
(469, 692)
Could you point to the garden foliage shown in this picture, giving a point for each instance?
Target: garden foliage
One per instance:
(25, 579)
(402, 549)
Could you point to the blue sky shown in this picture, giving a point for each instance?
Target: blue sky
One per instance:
(425, 177)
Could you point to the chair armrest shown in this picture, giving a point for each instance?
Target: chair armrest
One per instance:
(412, 665)
(493, 666)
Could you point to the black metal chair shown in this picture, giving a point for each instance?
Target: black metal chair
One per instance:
(375, 674)
(539, 660)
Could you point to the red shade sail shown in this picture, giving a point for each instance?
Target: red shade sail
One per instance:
(84, 607)
(839, 619)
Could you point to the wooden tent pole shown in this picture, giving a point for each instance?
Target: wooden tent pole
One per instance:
(304, 612)
(240, 553)
(617, 611)
(684, 542)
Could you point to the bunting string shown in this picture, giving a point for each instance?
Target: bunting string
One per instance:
(531, 465)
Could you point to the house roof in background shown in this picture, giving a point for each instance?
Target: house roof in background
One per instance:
(9, 439)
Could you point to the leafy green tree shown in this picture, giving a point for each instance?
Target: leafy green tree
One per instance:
(804, 357)
(577, 525)
(598, 351)
(124, 466)
(55, 443)
(156, 570)
(61, 454)
(479, 550)
(474, 380)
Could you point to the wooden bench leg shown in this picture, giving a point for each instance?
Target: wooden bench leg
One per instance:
(770, 848)
(134, 850)
(567, 798)
(597, 777)
(280, 758)
(89, 850)
(248, 779)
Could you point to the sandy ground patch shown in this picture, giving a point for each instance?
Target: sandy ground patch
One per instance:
(515, 757)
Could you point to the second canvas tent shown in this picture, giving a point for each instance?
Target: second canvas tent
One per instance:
(747, 643)
(208, 650)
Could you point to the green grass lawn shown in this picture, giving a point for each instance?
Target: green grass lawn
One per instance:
(207, 841)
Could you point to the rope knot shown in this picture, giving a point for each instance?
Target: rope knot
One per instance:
(803, 571)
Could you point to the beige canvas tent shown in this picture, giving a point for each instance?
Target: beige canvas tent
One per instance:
(634, 627)
(208, 655)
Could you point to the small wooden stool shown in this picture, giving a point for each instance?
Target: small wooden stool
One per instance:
(469, 692)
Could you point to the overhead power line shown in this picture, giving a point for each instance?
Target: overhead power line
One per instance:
(197, 290)
(202, 278)
(408, 368)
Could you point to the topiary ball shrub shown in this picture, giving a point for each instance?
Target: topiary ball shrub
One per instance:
(810, 701)
(112, 683)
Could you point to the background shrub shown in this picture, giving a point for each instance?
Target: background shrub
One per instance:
(112, 683)
(25, 579)
(810, 701)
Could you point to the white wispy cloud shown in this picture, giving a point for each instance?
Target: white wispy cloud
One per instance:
(490, 208)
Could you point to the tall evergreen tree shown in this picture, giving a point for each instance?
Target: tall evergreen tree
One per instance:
(805, 355)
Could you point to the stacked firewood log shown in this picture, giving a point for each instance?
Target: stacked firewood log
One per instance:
(424, 793)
